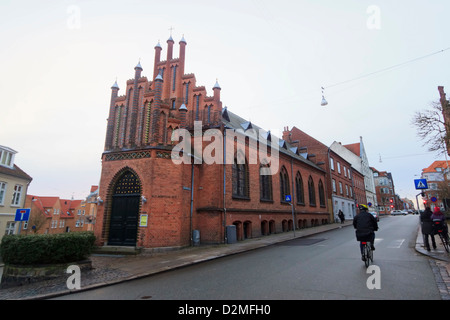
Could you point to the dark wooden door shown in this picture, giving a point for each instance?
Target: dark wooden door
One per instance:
(125, 211)
(124, 221)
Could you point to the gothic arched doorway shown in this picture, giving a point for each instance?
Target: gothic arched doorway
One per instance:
(125, 210)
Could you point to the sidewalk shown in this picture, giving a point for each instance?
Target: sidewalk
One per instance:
(440, 264)
(111, 269)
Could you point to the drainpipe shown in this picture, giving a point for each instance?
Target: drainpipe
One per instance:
(224, 183)
(192, 202)
(292, 197)
(331, 184)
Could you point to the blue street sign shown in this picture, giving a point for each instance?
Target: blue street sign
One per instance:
(22, 215)
(287, 198)
(434, 199)
(421, 184)
(369, 204)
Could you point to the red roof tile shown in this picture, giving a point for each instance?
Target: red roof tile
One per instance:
(355, 148)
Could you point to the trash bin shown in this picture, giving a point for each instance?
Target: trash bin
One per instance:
(196, 237)
(231, 234)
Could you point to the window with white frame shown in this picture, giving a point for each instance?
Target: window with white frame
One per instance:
(332, 163)
(333, 182)
(2, 192)
(6, 158)
(339, 167)
(17, 195)
(10, 227)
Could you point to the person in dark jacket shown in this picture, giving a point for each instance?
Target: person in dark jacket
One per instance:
(427, 228)
(365, 225)
(341, 216)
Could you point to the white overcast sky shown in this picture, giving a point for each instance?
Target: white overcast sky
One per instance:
(58, 60)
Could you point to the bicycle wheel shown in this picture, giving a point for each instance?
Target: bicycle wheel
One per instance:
(367, 253)
(445, 242)
(370, 252)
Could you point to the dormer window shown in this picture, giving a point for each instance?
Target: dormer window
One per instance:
(7, 157)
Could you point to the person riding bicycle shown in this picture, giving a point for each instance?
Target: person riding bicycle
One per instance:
(365, 225)
(438, 216)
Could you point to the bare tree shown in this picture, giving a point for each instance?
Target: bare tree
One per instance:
(432, 129)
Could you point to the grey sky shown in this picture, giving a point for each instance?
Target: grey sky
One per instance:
(58, 60)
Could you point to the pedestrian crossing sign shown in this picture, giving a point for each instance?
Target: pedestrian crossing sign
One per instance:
(421, 184)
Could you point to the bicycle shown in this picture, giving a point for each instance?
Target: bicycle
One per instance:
(441, 231)
(367, 253)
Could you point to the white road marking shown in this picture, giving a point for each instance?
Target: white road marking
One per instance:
(396, 244)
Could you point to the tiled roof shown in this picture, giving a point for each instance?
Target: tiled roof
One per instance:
(233, 121)
(355, 148)
(437, 164)
(15, 172)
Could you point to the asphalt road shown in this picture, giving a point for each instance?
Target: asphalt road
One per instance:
(324, 266)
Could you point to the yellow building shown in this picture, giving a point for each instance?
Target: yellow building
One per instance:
(14, 184)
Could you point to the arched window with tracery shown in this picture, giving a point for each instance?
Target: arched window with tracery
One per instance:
(299, 189)
(321, 194)
(284, 184)
(240, 183)
(265, 184)
(311, 192)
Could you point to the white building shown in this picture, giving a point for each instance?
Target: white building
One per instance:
(13, 189)
(355, 154)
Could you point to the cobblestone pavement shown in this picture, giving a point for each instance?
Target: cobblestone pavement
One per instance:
(109, 269)
(440, 264)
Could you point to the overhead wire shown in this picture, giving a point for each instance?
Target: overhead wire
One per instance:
(387, 69)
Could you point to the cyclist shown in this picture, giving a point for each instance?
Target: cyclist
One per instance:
(365, 225)
(439, 216)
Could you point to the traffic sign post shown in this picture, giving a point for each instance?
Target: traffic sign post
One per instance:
(22, 215)
(288, 199)
(421, 184)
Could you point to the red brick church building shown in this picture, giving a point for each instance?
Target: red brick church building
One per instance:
(148, 200)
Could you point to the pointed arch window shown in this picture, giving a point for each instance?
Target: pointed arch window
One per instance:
(265, 185)
(311, 192)
(321, 194)
(299, 189)
(284, 184)
(197, 107)
(240, 183)
(174, 76)
(128, 184)
(186, 94)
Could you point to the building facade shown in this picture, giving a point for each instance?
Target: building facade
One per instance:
(51, 215)
(355, 154)
(14, 184)
(385, 190)
(340, 195)
(176, 163)
(438, 180)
